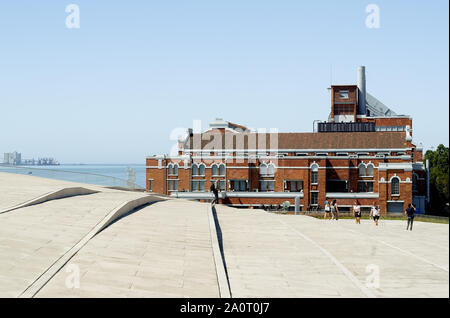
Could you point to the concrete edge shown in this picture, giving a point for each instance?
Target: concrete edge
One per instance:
(51, 271)
(58, 194)
(222, 279)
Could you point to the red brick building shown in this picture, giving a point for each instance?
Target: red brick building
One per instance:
(364, 152)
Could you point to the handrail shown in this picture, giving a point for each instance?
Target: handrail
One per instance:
(107, 180)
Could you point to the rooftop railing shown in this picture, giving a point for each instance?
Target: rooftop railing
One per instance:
(80, 177)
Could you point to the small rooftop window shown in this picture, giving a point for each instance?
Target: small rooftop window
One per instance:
(343, 94)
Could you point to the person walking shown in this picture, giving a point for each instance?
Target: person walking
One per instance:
(334, 210)
(410, 210)
(215, 191)
(327, 210)
(357, 211)
(375, 213)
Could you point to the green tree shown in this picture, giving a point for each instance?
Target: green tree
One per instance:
(439, 183)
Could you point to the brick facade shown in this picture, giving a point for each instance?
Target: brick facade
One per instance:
(394, 174)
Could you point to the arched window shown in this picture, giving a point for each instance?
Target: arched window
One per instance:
(170, 169)
(395, 186)
(214, 170)
(314, 174)
(201, 170)
(362, 170)
(194, 169)
(271, 169)
(263, 169)
(222, 169)
(175, 169)
(370, 170)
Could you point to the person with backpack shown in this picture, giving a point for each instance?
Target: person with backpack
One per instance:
(410, 210)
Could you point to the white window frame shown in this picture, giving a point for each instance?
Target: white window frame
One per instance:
(314, 169)
(392, 188)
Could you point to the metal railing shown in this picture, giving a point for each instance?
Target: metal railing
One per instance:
(80, 177)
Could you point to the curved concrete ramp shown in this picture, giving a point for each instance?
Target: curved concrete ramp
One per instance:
(17, 190)
(54, 195)
(163, 250)
(36, 241)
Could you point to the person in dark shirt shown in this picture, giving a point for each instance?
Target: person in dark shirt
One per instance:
(216, 193)
(410, 210)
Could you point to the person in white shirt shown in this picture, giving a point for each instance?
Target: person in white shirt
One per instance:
(375, 213)
(327, 210)
(357, 211)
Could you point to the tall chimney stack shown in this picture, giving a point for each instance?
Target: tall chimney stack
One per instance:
(361, 90)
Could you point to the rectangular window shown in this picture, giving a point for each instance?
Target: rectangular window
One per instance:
(222, 185)
(150, 185)
(197, 185)
(314, 177)
(267, 185)
(365, 186)
(201, 185)
(173, 185)
(294, 185)
(263, 186)
(343, 94)
(314, 198)
(362, 187)
(238, 185)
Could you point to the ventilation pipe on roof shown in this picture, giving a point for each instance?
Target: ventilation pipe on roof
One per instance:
(361, 90)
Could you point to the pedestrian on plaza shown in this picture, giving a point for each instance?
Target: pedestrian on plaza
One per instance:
(327, 210)
(410, 210)
(215, 191)
(335, 210)
(357, 211)
(375, 213)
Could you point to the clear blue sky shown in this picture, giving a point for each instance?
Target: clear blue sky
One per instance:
(113, 90)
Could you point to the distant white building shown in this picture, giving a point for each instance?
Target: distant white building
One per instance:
(12, 158)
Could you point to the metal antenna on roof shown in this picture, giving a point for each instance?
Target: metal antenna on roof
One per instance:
(331, 74)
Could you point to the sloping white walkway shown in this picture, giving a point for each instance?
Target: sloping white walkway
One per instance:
(163, 250)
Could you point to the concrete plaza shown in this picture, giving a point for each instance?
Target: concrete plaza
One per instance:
(98, 245)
